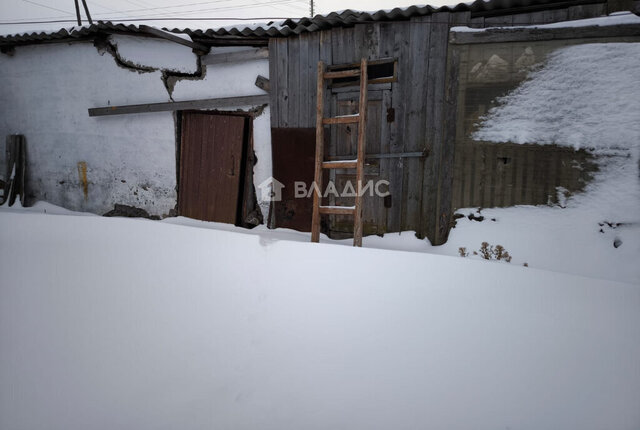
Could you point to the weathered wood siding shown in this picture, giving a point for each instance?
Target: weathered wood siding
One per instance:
(415, 99)
(481, 70)
(419, 105)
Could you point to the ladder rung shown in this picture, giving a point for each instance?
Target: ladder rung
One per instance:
(337, 210)
(340, 164)
(342, 74)
(343, 119)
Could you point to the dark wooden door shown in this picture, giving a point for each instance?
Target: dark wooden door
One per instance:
(293, 151)
(343, 145)
(210, 166)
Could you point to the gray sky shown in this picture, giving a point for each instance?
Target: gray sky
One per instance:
(45, 10)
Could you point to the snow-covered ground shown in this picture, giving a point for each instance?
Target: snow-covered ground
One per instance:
(584, 96)
(124, 323)
(121, 323)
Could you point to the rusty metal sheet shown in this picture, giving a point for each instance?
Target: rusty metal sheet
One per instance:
(293, 152)
(210, 166)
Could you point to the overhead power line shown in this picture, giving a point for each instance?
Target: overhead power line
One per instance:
(146, 9)
(59, 21)
(168, 10)
(47, 7)
(217, 9)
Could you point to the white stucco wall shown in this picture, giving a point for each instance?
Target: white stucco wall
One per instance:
(131, 159)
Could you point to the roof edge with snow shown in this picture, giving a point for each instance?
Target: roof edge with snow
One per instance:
(615, 25)
(264, 31)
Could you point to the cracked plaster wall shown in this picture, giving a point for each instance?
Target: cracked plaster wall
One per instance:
(130, 159)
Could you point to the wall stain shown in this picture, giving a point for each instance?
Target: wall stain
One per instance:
(82, 174)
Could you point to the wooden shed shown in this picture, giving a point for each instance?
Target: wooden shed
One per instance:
(213, 119)
(411, 108)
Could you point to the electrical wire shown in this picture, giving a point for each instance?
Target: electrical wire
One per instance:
(48, 7)
(217, 9)
(218, 18)
(171, 7)
(106, 16)
(170, 12)
(291, 8)
(164, 17)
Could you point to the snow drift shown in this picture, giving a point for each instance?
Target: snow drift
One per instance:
(584, 96)
(117, 323)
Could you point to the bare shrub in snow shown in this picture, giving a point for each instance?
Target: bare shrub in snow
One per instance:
(489, 252)
(501, 254)
(486, 251)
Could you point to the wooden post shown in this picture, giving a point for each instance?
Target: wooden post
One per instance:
(315, 220)
(14, 186)
(78, 12)
(86, 11)
(362, 141)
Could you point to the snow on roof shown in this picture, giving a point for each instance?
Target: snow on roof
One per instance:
(75, 32)
(618, 18)
(344, 18)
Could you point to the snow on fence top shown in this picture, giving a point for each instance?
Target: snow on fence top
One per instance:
(619, 18)
(585, 96)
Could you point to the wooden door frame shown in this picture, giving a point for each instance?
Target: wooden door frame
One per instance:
(247, 200)
(376, 94)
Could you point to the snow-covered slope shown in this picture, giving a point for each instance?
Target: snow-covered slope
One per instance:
(584, 96)
(118, 323)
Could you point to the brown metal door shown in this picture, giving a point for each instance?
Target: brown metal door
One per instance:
(210, 166)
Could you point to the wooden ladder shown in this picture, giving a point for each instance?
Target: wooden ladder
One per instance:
(361, 119)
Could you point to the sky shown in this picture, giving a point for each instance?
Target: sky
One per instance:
(12, 11)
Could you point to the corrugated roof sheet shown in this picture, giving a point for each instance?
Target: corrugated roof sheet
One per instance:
(349, 17)
(71, 33)
(322, 22)
(289, 27)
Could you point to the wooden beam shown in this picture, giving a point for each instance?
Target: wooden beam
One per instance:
(340, 164)
(315, 216)
(345, 119)
(220, 103)
(414, 154)
(528, 34)
(532, 8)
(342, 74)
(362, 144)
(173, 38)
(342, 66)
(245, 41)
(263, 83)
(231, 57)
(337, 210)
